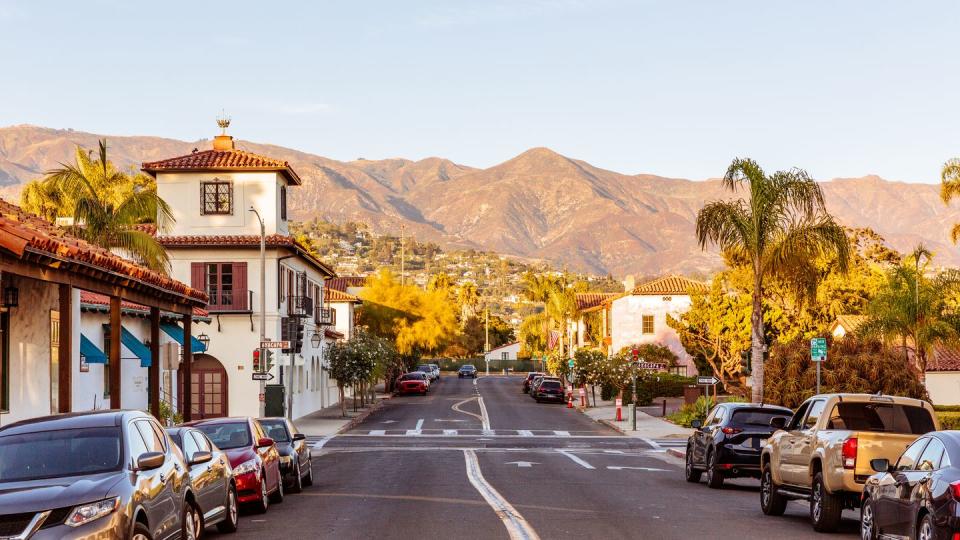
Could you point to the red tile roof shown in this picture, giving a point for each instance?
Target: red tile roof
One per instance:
(95, 299)
(222, 160)
(670, 285)
(944, 358)
(334, 295)
(332, 334)
(245, 241)
(344, 282)
(22, 232)
(591, 300)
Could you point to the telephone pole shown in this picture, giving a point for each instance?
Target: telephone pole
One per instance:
(402, 227)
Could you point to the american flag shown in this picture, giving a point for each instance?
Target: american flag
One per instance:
(553, 339)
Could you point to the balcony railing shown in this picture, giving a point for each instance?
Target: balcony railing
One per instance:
(236, 300)
(299, 306)
(324, 316)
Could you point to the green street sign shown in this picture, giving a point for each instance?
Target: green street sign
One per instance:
(818, 349)
(570, 362)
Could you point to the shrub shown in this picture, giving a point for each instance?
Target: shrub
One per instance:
(947, 408)
(656, 385)
(949, 420)
(695, 411)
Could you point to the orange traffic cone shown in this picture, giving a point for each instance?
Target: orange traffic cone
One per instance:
(570, 400)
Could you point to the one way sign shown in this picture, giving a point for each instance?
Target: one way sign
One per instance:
(261, 376)
(709, 381)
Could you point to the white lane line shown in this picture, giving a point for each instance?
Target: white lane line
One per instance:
(414, 432)
(378, 432)
(562, 433)
(419, 425)
(576, 460)
(525, 433)
(450, 432)
(517, 527)
(653, 444)
(485, 418)
(322, 442)
(489, 433)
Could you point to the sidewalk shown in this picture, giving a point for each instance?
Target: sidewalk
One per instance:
(648, 427)
(329, 421)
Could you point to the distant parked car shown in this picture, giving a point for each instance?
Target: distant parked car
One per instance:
(467, 370)
(436, 371)
(427, 370)
(919, 496)
(111, 474)
(212, 478)
(296, 464)
(548, 390)
(539, 379)
(529, 380)
(253, 456)
(414, 382)
(728, 443)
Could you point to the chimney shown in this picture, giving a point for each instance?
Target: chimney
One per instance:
(223, 141)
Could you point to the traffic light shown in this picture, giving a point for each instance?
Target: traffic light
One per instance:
(298, 337)
(269, 359)
(256, 360)
(746, 362)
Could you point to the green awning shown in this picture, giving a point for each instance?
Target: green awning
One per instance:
(137, 347)
(90, 352)
(176, 332)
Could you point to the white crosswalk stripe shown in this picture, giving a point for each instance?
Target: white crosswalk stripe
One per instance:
(562, 433)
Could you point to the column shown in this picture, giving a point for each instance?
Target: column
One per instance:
(153, 372)
(114, 353)
(65, 360)
(186, 397)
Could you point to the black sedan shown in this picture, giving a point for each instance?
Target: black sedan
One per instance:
(296, 463)
(727, 444)
(212, 478)
(919, 497)
(467, 370)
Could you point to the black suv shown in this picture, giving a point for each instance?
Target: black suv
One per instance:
(467, 370)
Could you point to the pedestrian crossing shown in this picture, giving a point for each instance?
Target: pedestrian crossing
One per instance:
(671, 443)
(525, 433)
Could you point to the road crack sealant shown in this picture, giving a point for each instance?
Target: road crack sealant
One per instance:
(517, 526)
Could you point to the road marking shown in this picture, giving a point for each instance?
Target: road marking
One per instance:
(524, 433)
(483, 411)
(322, 442)
(389, 422)
(419, 425)
(450, 432)
(576, 459)
(517, 526)
(648, 469)
(456, 407)
(613, 451)
(489, 433)
(562, 433)
(378, 432)
(524, 464)
(414, 432)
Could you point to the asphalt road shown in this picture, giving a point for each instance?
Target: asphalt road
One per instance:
(485, 461)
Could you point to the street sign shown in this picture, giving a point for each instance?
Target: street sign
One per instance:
(650, 365)
(261, 376)
(708, 381)
(570, 363)
(818, 349)
(275, 344)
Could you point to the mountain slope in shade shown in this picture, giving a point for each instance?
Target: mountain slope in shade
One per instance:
(539, 204)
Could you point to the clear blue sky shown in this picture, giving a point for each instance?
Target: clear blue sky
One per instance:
(674, 88)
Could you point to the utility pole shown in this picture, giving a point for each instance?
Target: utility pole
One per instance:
(486, 329)
(402, 227)
(263, 306)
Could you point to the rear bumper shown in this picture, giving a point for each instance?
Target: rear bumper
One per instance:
(550, 397)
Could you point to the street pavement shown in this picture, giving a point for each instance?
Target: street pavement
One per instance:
(483, 460)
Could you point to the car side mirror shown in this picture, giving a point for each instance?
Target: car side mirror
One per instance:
(778, 422)
(880, 464)
(696, 424)
(150, 460)
(199, 457)
(299, 437)
(264, 442)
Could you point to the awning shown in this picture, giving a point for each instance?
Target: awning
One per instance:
(91, 353)
(176, 332)
(135, 346)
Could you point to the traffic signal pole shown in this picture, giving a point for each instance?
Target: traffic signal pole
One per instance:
(263, 306)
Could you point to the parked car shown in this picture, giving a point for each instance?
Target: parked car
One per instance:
(428, 371)
(415, 382)
(296, 463)
(727, 443)
(467, 370)
(253, 456)
(919, 497)
(823, 454)
(436, 371)
(539, 380)
(548, 390)
(110, 474)
(529, 380)
(212, 479)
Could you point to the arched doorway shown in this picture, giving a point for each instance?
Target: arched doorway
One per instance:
(208, 387)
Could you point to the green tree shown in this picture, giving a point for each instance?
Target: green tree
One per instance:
(950, 188)
(106, 204)
(778, 230)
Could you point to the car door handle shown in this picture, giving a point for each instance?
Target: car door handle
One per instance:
(925, 479)
(162, 478)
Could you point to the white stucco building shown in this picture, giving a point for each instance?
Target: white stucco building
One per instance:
(508, 351)
(214, 245)
(942, 378)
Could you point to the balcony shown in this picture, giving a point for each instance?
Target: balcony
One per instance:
(324, 316)
(229, 301)
(299, 306)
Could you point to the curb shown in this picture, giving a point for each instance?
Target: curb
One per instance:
(356, 420)
(611, 425)
(677, 453)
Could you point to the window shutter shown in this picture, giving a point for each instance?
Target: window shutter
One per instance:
(197, 280)
(240, 295)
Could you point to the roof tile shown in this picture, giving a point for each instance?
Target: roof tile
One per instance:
(670, 285)
(222, 160)
(592, 299)
(243, 240)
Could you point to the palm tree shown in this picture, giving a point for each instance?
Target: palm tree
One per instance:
(914, 310)
(779, 229)
(106, 205)
(950, 188)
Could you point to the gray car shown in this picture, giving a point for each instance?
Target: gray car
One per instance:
(110, 474)
(212, 480)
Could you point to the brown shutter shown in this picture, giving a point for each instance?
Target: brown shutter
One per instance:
(240, 294)
(197, 279)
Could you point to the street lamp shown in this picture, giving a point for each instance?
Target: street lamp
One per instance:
(315, 340)
(204, 340)
(11, 297)
(263, 296)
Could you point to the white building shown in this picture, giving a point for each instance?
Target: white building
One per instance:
(509, 351)
(217, 197)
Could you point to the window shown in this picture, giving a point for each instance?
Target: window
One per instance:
(714, 417)
(150, 436)
(220, 284)
(816, 409)
(4, 361)
(504, 356)
(647, 322)
(283, 203)
(930, 459)
(189, 446)
(225, 284)
(884, 417)
(797, 417)
(909, 458)
(216, 197)
(202, 442)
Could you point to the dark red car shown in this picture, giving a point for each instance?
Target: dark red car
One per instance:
(413, 383)
(253, 456)
(530, 377)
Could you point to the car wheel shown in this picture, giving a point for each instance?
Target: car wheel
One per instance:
(229, 523)
(277, 496)
(926, 531)
(771, 502)
(825, 509)
(263, 504)
(691, 473)
(297, 485)
(868, 522)
(141, 532)
(714, 476)
(308, 481)
(192, 523)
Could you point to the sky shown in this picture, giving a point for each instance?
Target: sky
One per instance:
(674, 88)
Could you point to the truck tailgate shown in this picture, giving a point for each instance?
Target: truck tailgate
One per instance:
(875, 445)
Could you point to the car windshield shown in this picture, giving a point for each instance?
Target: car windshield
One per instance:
(276, 430)
(468, 367)
(55, 454)
(755, 417)
(412, 377)
(550, 384)
(884, 417)
(228, 435)
(424, 368)
(434, 366)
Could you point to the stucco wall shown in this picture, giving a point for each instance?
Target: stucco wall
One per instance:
(944, 387)
(497, 354)
(627, 329)
(30, 351)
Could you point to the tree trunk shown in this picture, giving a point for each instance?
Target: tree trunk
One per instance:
(757, 338)
(343, 400)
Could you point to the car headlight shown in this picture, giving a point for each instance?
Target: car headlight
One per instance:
(85, 513)
(246, 467)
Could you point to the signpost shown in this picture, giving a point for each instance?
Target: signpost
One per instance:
(261, 376)
(274, 344)
(710, 381)
(818, 353)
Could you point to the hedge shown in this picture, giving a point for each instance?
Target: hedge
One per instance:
(949, 419)
(654, 385)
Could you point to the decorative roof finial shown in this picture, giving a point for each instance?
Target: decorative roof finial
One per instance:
(223, 121)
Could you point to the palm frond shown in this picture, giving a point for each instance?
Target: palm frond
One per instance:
(742, 170)
(950, 180)
(143, 248)
(726, 224)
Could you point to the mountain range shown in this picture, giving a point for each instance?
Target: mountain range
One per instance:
(538, 205)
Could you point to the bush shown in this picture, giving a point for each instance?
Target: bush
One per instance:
(947, 408)
(853, 365)
(656, 385)
(949, 420)
(696, 411)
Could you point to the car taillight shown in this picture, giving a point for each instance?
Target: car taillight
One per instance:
(955, 490)
(731, 430)
(849, 453)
